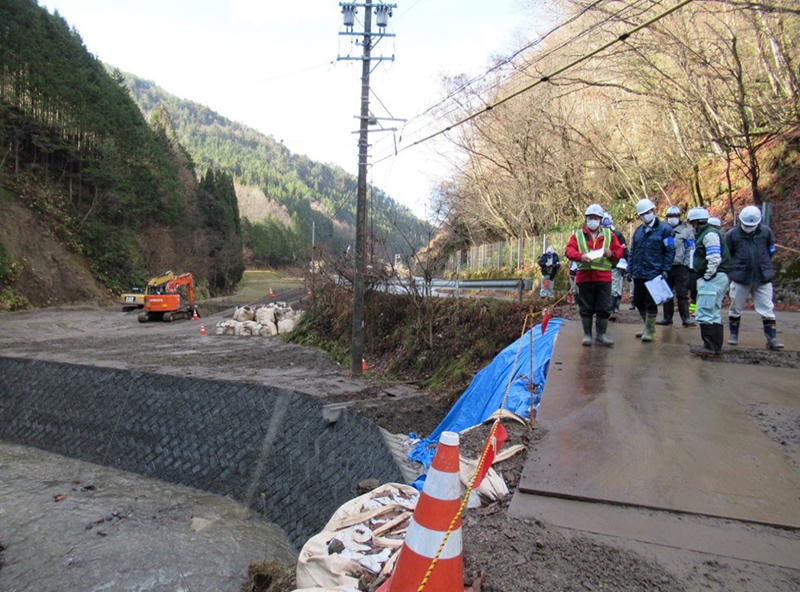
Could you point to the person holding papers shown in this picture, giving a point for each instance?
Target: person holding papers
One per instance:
(681, 274)
(712, 263)
(595, 250)
(651, 255)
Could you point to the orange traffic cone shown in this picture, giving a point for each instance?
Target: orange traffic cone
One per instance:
(364, 366)
(271, 293)
(202, 329)
(437, 506)
(194, 316)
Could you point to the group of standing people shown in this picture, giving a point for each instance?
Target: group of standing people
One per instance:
(694, 257)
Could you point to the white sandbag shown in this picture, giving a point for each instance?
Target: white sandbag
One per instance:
(237, 328)
(265, 315)
(244, 313)
(385, 510)
(273, 329)
(226, 327)
(264, 330)
(286, 326)
(250, 328)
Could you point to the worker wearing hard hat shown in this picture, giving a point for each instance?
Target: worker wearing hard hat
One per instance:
(549, 264)
(715, 222)
(652, 253)
(752, 245)
(619, 268)
(712, 263)
(595, 249)
(680, 275)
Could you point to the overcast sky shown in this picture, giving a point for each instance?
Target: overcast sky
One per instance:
(273, 66)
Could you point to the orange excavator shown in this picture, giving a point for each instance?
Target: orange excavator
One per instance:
(166, 303)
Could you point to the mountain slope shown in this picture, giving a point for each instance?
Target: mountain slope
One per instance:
(92, 194)
(276, 184)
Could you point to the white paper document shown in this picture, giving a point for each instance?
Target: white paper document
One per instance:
(596, 254)
(622, 264)
(659, 289)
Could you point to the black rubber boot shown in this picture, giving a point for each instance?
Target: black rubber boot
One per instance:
(718, 335)
(708, 349)
(771, 332)
(602, 327)
(733, 325)
(683, 310)
(587, 330)
(668, 309)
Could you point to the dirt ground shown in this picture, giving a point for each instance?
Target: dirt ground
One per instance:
(500, 554)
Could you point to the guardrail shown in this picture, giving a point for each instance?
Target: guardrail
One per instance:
(456, 286)
(515, 284)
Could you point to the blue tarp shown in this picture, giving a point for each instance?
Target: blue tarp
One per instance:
(485, 394)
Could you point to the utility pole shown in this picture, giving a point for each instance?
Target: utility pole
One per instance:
(383, 12)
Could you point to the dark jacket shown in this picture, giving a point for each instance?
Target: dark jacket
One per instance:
(751, 255)
(550, 271)
(623, 243)
(652, 251)
(704, 257)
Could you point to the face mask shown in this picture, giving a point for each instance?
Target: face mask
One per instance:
(592, 224)
(673, 221)
(749, 229)
(648, 217)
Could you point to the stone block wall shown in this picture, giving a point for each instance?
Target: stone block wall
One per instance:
(267, 447)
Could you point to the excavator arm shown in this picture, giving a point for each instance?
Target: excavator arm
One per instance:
(185, 279)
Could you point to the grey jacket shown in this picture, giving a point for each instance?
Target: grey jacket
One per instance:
(683, 234)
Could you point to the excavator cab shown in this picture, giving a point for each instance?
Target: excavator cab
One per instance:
(166, 302)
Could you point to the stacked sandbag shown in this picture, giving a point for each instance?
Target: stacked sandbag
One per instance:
(261, 321)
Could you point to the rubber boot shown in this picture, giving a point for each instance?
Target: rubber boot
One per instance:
(708, 349)
(733, 325)
(641, 332)
(614, 308)
(668, 310)
(718, 337)
(587, 330)
(602, 327)
(771, 332)
(683, 310)
(649, 328)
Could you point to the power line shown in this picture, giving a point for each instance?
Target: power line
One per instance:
(498, 83)
(544, 78)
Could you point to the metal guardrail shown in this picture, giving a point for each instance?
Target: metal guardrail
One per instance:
(458, 285)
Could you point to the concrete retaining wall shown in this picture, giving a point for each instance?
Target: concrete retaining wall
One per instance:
(266, 447)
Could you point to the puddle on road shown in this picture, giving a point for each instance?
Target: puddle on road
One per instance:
(119, 531)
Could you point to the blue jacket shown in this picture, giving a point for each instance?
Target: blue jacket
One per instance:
(652, 251)
(751, 255)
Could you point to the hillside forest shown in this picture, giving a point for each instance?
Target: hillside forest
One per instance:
(280, 194)
(128, 193)
(697, 107)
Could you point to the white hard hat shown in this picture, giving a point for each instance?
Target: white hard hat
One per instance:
(715, 222)
(644, 205)
(698, 213)
(750, 216)
(607, 221)
(673, 211)
(594, 210)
